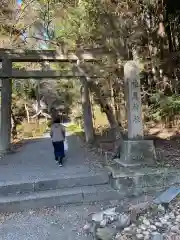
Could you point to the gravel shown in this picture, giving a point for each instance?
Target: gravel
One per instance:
(152, 222)
(155, 225)
(64, 222)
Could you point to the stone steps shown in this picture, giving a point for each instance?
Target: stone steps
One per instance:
(50, 198)
(39, 193)
(52, 183)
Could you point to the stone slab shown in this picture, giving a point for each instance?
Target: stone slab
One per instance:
(137, 153)
(168, 195)
(16, 188)
(75, 180)
(16, 203)
(41, 199)
(63, 181)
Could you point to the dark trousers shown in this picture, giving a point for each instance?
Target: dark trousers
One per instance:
(58, 150)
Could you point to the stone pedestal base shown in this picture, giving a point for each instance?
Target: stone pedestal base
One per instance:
(137, 153)
(138, 181)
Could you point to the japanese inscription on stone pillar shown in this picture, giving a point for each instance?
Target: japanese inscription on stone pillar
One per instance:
(133, 99)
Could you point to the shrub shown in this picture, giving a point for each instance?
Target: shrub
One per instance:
(165, 108)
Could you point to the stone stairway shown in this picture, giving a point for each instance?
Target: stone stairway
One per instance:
(31, 179)
(65, 189)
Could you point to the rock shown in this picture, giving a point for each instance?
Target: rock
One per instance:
(113, 218)
(104, 222)
(153, 227)
(166, 217)
(143, 227)
(156, 236)
(122, 237)
(123, 221)
(97, 217)
(171, 215)
(158, 224)
(140, 236)
(146, 233)
(135, 210)
(163, 220)
(141, 218)
(105, 217)
(146, 222)
(127, 229)
(154, 209)
(118, 236)
(106, 233)
(146, 237)
(110, 212)
(178, 218)
(87, 228)
(175, 229)
(139, 207)
(138, 230)
(161, 208)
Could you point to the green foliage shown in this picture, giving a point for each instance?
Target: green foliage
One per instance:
(73, 26)
(118, 26)
(24, 89)
(23, 92)
(165, 107)
(74, 128)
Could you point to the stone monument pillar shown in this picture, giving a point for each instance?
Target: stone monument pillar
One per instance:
(133, 100)
(136, 150)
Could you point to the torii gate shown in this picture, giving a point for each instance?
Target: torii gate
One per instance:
(7, 73)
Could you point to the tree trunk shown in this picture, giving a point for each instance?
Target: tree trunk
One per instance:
(116, 128)
(87, 112)
(38, 100)
(27, 112)
(108, 110)
(14, 126)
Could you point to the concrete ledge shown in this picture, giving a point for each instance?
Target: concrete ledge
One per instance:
(16, 203)
(39, 200)
(16, 188)
(64, 181)
(85, 179)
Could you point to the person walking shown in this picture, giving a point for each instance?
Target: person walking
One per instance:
(57, 134)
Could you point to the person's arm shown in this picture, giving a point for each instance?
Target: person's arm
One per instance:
(63, 131)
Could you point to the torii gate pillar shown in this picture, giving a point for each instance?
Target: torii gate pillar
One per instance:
(5, 108)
